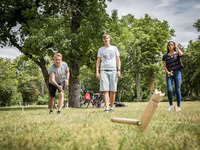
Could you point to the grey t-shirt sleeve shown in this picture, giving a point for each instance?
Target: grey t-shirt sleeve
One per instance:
(66, 66)
(98, 54)
(51, 70)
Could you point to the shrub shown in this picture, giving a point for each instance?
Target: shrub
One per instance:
(43, 100)
(6, 93)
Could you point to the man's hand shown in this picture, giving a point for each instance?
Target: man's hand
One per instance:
(97, 75)
(67, 82)
(60, 88)
(118, 74)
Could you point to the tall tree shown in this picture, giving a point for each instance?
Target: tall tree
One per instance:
(191, 70)
(145, 41)
(87, 25)
(41, 27)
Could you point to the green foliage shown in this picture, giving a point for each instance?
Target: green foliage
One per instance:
(145, 41)
(88, 80)
(8, 84)
(6, 94)
(141, 43)
(46, 36)
(17, 99)
(43, 100)
(197, 25)
(191, 70)
(126, 88)
(73, 28)
(7, 71)
(48, 28)
(29, 77)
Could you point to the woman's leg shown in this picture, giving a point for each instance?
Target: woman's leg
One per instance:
(177, 80)
(169, 89)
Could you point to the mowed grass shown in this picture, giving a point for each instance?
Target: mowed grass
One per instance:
(85, 129)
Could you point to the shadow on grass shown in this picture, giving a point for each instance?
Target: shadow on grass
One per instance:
(20, 108)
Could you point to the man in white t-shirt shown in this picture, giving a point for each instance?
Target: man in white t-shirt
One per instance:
(108, 56)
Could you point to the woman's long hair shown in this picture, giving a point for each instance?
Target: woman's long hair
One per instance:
(168, 44)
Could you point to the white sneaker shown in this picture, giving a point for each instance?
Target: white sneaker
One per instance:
(170, 108)
(178, 109)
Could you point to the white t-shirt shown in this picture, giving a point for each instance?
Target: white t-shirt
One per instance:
(108, 57)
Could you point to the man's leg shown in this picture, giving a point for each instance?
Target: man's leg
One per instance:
(112, 99)
(106, 99)
(52, 92)
(51, 103)
(61, 97)
(113, 88)
(61, 100)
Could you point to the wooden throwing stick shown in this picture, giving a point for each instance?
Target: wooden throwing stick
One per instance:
(126, 121)
(175, 108)
(147, 114)
(170, 73)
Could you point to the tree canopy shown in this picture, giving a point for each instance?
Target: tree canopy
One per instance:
(40, 28)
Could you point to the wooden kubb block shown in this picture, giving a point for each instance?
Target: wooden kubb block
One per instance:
(147, 114)
(151, 108)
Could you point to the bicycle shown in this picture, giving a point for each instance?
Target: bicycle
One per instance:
(84, 103)
(98, 100)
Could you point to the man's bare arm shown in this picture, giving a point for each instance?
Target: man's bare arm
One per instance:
(67, 76)
(53, 81)
(97, 67)
(118, 66)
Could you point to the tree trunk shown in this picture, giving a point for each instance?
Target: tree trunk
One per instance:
(73, 92)
(74, 73)
(45, 73)
(136, 78)
(120, 95)
(73, 86)
(191, 93)
(42, 88)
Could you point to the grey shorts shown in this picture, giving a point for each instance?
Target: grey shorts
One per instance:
(108, 81)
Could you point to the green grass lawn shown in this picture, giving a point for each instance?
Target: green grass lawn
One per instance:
(85, 129)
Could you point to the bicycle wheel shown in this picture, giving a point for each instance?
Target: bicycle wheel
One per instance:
(96, 102)
(85, 104)
(102, 103)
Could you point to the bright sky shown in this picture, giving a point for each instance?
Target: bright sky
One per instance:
(180, 14)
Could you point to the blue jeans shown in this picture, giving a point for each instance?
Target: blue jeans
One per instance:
(177, 80)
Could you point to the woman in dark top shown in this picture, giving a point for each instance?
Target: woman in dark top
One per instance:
(172, 66)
